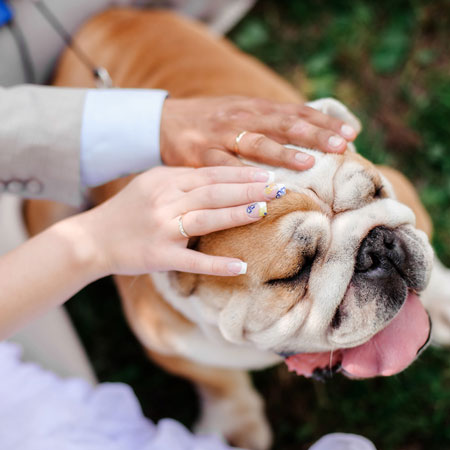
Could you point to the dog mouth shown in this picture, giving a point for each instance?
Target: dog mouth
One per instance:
(389, 270)
(388, 352)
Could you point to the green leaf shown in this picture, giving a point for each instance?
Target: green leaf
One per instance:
(391, 49)
(323, 86)
(319, 64)
(425, 56)
(252, 34)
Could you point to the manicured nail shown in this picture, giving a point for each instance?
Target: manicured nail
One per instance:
(237, 268)
(302, 157)
(258, 209)
(274, 190)
(264, 175)
(335, 141)
(348, 131)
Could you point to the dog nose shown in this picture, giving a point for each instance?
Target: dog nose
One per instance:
(380, 252)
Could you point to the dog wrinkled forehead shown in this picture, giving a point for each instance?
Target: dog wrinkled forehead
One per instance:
(338, 182)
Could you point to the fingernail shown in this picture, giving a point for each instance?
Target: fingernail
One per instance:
(258, 209)
(335, 141)
(274, 190)
(237, 268)
(264, 175)
(302, 157)
(348, 131)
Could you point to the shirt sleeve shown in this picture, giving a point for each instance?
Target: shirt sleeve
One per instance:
(119, 133)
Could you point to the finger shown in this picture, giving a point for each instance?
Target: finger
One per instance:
(318, 118)
(187, 260)
(214, 175)
(258, 147)
(328, 122)
(201, 222)
(225, 195)
(295, 131)
(305, 134)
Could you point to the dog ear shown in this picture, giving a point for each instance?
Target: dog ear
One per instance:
(185, 283)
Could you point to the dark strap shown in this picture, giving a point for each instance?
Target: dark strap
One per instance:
(7, 20)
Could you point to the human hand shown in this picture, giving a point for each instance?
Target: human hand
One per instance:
(137, 230)
(202, 132)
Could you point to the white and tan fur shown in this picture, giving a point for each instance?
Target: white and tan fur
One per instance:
(209, 329)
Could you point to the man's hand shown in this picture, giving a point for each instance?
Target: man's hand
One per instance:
(202, 132)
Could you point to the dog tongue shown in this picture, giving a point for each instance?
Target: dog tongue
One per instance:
(390, 351)
(394, 348)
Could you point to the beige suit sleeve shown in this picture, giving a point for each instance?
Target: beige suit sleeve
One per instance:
(40, 131)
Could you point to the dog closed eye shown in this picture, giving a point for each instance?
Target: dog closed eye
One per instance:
(299, 276)
(379, 192)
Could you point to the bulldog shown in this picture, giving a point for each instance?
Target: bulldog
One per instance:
(336, 269)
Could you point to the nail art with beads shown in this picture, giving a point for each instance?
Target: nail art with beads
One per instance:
(258, 209)
(274, 190)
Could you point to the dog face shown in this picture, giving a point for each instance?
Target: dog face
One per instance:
(331, 265)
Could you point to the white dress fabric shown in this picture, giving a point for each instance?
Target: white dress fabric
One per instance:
(41, 411)
(343, 441)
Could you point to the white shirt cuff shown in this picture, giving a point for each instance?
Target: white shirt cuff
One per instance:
(119, 133)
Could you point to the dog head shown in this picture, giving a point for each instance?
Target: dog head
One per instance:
(333, 272)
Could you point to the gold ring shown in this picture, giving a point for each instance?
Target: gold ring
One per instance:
(181, 228)
(237, 140)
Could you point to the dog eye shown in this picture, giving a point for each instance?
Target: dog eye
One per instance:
(378, 192)
(301, 275)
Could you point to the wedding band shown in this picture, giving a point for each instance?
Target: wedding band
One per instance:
(181, 228)
(237, 140)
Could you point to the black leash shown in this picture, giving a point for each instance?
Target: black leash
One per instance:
(19, 38)
(100, 74)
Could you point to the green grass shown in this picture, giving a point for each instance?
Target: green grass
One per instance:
(389, 62)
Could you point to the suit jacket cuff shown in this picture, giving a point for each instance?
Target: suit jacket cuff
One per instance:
(40, 142)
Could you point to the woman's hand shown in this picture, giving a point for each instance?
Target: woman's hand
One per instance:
(138, 230)
(135, 232)
(202, 132)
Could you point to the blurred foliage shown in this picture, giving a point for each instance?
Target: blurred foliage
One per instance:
(389, 62)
